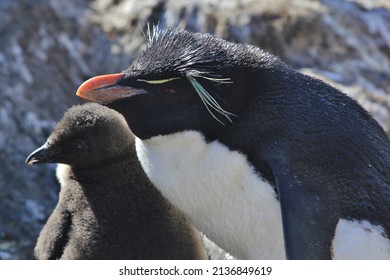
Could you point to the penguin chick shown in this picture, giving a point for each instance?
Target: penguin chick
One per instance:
(107, 207)
(268, 162)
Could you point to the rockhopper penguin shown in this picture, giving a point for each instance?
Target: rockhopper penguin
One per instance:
(107, 207)
(268, 162)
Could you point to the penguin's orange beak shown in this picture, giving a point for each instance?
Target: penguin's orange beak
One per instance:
(105, 88)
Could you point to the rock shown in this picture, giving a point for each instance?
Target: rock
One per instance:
(48, 47)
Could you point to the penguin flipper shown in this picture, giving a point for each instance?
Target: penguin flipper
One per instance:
(54, 235)
(308, 225)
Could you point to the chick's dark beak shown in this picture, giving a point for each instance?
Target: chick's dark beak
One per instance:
(41, 155)
(106, 88)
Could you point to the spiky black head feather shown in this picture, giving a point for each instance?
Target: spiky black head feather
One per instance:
(178, 53)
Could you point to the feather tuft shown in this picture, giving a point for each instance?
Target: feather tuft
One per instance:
(207, 99)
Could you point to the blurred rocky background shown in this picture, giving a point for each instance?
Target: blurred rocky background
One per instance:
(49, 47)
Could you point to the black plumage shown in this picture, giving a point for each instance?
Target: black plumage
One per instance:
(326, 157)
(107, 207)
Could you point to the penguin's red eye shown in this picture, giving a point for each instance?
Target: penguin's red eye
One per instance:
(169, 91)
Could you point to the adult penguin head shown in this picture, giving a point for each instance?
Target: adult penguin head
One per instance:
(80, 138)
(182, 81)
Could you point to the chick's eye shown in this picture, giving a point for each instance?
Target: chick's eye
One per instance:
(79, 146)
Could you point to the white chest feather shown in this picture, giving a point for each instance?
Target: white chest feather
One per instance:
(218, 190)
(62, 173)
(359, 240)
